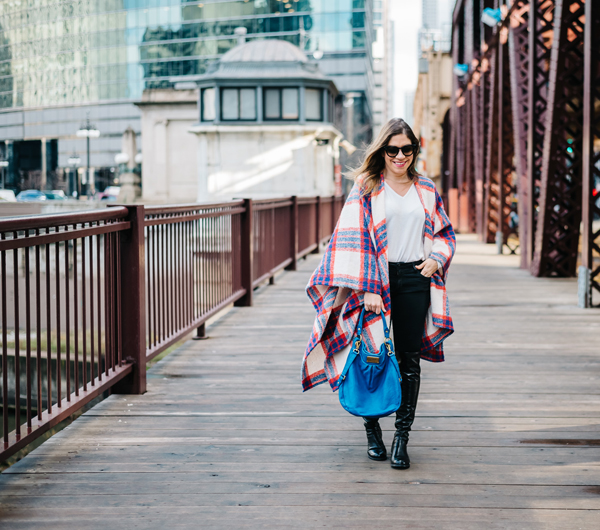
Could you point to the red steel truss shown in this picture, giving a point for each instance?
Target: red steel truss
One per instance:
(525, 134)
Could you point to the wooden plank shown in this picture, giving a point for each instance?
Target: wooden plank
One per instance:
(124, 437)
(254, 494)
(142, 460)
(239, 515)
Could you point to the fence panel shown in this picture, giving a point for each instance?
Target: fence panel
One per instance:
(61, 332)
(338, 204)
(307, 225)
(325, 218)
(192, 268)
(272, 241)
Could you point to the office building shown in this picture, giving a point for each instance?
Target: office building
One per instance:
(432, 98)
(436, 25)
(383, 64)
(64, 62)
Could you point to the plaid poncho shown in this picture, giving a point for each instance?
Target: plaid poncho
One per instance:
(356, 261)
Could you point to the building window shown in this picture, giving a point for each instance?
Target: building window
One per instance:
(208, 104)
(281, 103)
(238, 104)
(314, 104)
(247, 104)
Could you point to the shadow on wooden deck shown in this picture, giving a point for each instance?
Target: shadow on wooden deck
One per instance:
(506, 434)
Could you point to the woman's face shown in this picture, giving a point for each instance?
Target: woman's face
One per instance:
(398, 164)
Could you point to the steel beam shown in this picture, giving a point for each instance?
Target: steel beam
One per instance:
(478, 98)
(559, 217)
(518, 52)
(541, 23)
(590, 240)
(507, 229)
(468, 223)
(491, 157)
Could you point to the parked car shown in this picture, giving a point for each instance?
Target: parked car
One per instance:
(7, 196)
(55, 195)
(110, 193)
(31, 196)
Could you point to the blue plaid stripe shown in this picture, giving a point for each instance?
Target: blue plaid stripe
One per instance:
(352, 244)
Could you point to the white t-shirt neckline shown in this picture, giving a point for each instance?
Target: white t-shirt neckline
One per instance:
(410, 189)
(405, 221)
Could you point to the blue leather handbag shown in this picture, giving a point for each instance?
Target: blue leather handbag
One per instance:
(370, 382)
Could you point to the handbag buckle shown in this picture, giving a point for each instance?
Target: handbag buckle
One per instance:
(357, 345)
(389, 348)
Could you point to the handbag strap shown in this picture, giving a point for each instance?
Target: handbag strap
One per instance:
(386, 330)
(356, 342)
(356, 347)
(359, 326)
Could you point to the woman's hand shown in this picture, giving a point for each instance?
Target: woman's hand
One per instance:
(373, 302)
(428, 267)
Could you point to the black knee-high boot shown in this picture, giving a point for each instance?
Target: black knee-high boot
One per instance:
(376, 448)
(410, 370)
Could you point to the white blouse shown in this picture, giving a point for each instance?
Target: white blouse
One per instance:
(405, 220)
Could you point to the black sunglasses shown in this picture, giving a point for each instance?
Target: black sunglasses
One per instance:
(407, 150)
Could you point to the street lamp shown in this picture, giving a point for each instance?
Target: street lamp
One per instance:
(87, 131)
(74, 161)
(3, 164)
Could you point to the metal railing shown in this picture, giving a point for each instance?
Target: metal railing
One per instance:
(192, 268)
(89, 298)
(62, 286)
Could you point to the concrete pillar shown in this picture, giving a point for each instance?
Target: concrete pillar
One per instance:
(202, 154)
(44, 180)
(161, 176)
(10, 179)
(259, 104)
(217, 104)
(302, 105)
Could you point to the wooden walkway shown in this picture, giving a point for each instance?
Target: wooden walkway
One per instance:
(507, 433)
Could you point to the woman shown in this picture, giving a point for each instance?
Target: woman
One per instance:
(390, 252)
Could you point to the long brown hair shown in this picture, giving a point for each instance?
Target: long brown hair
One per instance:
(368, 173)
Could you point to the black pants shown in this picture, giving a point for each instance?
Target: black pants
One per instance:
(409, 291)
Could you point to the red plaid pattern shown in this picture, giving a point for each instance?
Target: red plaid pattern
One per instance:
(356, 261)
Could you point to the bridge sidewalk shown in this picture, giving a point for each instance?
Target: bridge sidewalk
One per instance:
(507, 434)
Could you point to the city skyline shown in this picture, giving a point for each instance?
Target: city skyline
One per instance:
(63, 63)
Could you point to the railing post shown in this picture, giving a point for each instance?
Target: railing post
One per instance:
(133, 302)
(333, 218)
(294, 234)
(200, 332)
(247, 254)
(318, 229)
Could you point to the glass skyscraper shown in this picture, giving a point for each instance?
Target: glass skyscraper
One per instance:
(64, 61)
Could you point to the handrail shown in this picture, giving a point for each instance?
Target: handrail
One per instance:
(52, 220)
(176, 208)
